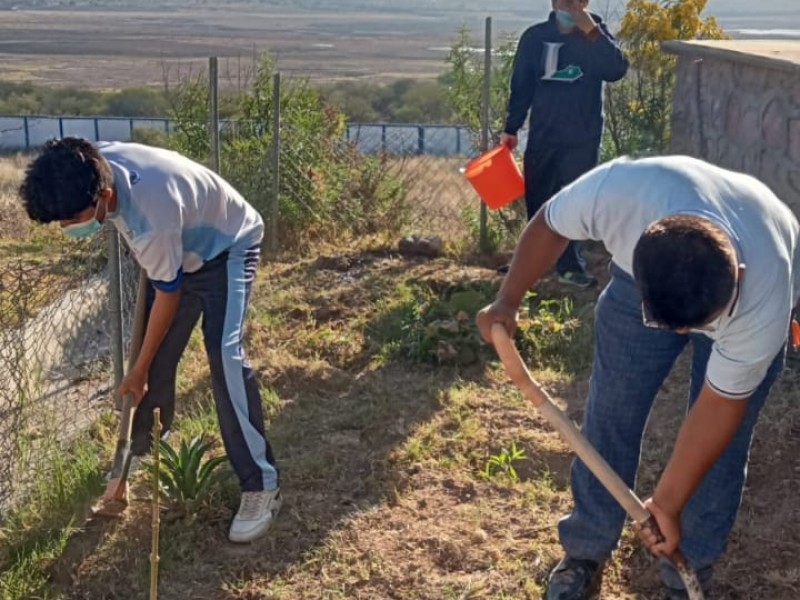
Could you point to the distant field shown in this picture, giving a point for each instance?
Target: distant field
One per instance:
(114, 48)
(110, 49)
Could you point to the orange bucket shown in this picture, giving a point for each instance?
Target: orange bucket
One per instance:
(496, 177)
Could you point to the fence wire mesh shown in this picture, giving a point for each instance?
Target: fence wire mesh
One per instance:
(55, 339)
(364, 185)
(55, 320)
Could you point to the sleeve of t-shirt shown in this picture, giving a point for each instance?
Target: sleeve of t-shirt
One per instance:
(738, 365)
(573, 212)
(160, 254)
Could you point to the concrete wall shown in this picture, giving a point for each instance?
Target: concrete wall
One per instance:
(737, 104)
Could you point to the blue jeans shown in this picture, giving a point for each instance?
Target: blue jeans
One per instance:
(630, 363)
(548, 168)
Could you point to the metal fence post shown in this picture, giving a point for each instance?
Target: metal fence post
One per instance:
(213, 96)
(27, 133)
(487, 86)
(115, 311)
(275, 159)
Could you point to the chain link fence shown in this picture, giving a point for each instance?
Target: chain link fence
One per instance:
(56, 344)
(383, 185)
(60, 349)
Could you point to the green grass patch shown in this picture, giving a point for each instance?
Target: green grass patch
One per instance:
(36, 534)
(429, 323)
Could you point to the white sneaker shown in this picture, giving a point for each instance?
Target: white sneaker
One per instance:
(256, 513)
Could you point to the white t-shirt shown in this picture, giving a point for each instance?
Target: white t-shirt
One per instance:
(174, 213)
(617, 201)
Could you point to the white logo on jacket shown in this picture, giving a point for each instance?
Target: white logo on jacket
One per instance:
(551, 72)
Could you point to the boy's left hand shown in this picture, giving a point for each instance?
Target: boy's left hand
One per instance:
(670, 526)
(134, 383)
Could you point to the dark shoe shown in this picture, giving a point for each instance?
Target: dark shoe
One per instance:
(575, 579)
(578, 279)
(503, 270)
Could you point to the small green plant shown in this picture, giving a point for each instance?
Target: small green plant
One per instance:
(504, 463)
(186, 479)
(551, 335)
(428, 324)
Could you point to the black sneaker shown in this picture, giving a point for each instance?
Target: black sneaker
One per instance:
(578, 279)
(575, 579)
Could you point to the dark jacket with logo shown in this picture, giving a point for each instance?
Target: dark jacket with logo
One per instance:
(559, 78)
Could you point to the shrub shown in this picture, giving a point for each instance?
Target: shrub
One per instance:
(327, 187)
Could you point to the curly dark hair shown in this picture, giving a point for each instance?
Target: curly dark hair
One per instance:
(685, 270)
(65, 179)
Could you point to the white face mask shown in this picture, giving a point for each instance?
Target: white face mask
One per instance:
(565, 19)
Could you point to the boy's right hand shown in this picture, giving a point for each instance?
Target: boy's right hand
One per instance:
(497, 312)
(509, 141)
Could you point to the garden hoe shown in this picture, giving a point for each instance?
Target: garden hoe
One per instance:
(115, 500)
(519, 374)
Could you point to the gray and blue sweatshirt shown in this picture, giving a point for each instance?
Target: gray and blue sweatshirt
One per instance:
(559, 78)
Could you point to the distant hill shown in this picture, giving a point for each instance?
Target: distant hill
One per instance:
(718, 7)
(742, 18)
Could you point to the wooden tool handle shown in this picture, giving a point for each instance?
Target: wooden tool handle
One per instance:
(121, 458)
(139, 319)
(137, 338)
(520, 375)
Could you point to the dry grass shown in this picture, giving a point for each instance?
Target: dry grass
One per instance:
(381, 464)
(439, 193)
(11, 213)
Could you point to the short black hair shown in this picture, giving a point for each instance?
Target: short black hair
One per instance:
(685, 270)
(65, 179)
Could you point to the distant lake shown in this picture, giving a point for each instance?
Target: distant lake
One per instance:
(765, 33)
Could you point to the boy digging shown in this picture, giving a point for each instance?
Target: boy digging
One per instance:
(198, 241)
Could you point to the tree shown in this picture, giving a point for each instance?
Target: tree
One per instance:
(464, 80)
(326, 186)
(639, 108)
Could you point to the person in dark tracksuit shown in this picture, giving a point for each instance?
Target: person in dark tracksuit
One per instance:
(559, 71)
(199, 242)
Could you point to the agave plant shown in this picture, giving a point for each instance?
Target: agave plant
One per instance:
(186, 479)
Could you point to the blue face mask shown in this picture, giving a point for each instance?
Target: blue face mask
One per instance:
(84, 229)
(565, 19)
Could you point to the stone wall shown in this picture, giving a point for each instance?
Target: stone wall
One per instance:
(737, 104)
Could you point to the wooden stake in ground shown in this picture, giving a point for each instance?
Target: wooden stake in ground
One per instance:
(156, 523)
(115, 499)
